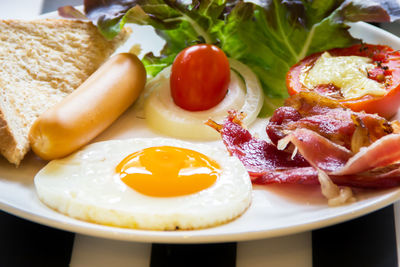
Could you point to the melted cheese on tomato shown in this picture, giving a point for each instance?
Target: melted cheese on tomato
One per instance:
(349, 73)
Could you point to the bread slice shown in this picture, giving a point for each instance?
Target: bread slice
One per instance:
(41, 62)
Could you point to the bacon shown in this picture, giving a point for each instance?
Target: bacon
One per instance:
(381, 153)
(299, 175)
(329, 90)
(381, 178)
(373, 167)
(319, 151)
(328, 118)
(257, 155)
(264, 161)
(323, 154)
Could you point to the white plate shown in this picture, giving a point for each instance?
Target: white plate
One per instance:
(275, 210)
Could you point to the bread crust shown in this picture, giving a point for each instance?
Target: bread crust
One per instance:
(8, 145)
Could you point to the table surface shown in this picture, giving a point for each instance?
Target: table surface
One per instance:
(370, 240)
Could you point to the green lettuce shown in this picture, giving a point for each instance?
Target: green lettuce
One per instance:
(269, 35)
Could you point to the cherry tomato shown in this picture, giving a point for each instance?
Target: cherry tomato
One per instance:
(200, 77)
(387, 71)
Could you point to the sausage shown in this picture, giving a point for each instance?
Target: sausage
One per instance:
(90, 109)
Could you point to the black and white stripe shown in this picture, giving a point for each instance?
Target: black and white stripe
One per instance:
(366, 241)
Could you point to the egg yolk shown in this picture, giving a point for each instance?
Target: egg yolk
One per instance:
(167, 171)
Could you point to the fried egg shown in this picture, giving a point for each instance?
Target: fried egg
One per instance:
(153, 183)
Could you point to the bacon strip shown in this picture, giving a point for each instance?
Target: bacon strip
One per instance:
(319, 151)
(381, 153)
(387, 177)
(327, 118)
(257, 155)
(300, 175)
(336, 160)
(266, 164)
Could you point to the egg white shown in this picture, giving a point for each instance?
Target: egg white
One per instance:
(85, 186)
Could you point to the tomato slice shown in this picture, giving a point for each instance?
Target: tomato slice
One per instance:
(387, 71)
(200, 77)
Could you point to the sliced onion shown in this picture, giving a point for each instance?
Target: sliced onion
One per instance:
(254, 93)
(244, 94)
(336, 196)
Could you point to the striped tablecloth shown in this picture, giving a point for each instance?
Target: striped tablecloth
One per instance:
(370, 240)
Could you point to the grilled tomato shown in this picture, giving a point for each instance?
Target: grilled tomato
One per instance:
(361, 77)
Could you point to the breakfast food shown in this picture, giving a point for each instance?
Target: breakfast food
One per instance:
(154, 183)
(362, 77)
(163, 115)
(90, 109)
(42, 62)
(330, 119)
(249, 35)
(314, 134)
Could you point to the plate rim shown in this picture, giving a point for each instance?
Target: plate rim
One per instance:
(150, 236)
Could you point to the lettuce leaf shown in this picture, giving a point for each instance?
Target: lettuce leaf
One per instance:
(268, 35)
